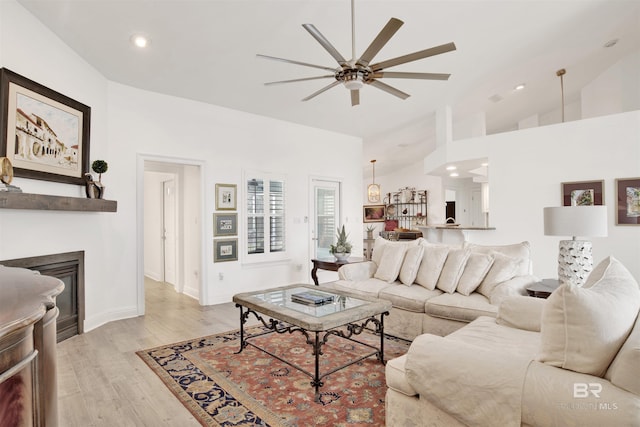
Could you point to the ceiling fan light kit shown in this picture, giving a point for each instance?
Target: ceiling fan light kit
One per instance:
(356, 73)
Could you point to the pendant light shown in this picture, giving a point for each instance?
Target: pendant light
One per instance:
(373, 190)
(560, 73)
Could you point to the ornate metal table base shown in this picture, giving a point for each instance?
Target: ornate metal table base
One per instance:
(316, 339)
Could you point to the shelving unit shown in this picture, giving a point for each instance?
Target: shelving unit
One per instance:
(409, 208)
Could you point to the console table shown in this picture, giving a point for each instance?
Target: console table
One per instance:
(330, 264)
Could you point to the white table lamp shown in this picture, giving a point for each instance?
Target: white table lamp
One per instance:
(575, 257)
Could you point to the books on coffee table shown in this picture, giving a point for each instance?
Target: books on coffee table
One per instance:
(312, 298)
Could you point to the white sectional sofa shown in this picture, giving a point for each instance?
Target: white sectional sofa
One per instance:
(438, 288)
(570, 360)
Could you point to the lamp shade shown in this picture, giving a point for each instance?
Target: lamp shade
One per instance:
(587, 221)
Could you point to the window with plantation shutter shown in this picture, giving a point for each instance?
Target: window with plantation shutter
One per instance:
(266, 226)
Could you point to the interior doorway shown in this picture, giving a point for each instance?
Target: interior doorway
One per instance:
(170, 225)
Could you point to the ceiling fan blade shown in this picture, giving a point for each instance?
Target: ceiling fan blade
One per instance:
(325, 43)
(290, 61)
(381, 39)
(400, 75)
(448, 47)
(355, 97)
(299, 80)
(314, 94)
(389, 89)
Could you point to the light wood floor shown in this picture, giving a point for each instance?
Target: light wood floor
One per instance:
(102, 382)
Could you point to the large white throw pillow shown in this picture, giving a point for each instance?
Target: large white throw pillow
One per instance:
(433, 260)
(452, 270)
(477, 267)
(390, 264)
(410, 265)
(502, 269)
(583, 328)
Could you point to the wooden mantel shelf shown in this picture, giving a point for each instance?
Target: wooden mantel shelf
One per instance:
(45, 202)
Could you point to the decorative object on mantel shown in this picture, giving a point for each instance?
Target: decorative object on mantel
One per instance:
(575, 259)
(44, 133)
(628, 205)
(342, 249)
(373, 190)
(6, 176)
(95, 190)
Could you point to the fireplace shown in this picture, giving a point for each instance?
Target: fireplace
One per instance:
(68, 267)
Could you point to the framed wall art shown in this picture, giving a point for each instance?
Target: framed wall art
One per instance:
(226, 197)
(628, 201)
(225, 250)
(373, 213)
(45, 134)
(583, 193)
(225, 224)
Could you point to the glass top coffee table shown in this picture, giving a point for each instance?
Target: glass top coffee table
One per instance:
(341, 315)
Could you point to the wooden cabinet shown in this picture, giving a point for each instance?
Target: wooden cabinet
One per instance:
(28, 378)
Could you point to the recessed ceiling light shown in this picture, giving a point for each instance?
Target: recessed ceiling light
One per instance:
(140, 41)
(451, 168)
(484, 164)
(454, 174)
(519, 87)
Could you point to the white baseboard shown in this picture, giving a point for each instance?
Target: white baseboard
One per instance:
(103, 318)
(191, 292)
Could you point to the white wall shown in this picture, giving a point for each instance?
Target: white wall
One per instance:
(127, 122)
(528, 167)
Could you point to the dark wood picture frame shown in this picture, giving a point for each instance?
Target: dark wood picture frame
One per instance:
(50, 142)
(583, 193)
(373, 213)
(225, 250)
(225, 224)
(628, 201)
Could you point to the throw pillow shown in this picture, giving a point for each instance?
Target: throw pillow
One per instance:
(433, 260)
(391, 262)
(583, 328)
(378, 249)
(410, 265)
(477, 267)
(503, 268)
(452, 270)
(518, 250)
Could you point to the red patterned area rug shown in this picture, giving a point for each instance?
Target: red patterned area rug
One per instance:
(252, 388)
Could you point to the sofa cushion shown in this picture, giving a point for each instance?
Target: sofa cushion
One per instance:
(408, 298)
(520, 251)
(521, 312)
(380, 244)
(503, 268)
(391, 262)
(485, 332)
(583, 328)
(624, 371)
(452, 270)
(460, 307)
(475, 270)
(369, 288)
(410, 265)
(433, 260)
(395, 377)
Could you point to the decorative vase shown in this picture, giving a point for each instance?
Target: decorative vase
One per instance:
(369, 234)
(341, 256)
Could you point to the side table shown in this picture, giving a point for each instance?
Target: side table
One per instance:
(330, 264)
(543, 288)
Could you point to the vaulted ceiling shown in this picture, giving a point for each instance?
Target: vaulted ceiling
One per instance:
(206, 51)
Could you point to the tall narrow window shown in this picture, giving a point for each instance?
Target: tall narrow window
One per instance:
(266, 230)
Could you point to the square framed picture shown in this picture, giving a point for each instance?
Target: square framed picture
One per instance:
(225, 250)
(583, 193)
(226, 197)
(628, 201)
(373, 213)
(45, 134)
(225, 224)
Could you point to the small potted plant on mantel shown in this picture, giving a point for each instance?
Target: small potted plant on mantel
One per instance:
(95, 190)
(342, 249)
(370, 230)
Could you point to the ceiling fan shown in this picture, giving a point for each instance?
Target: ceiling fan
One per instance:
(357, 72)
